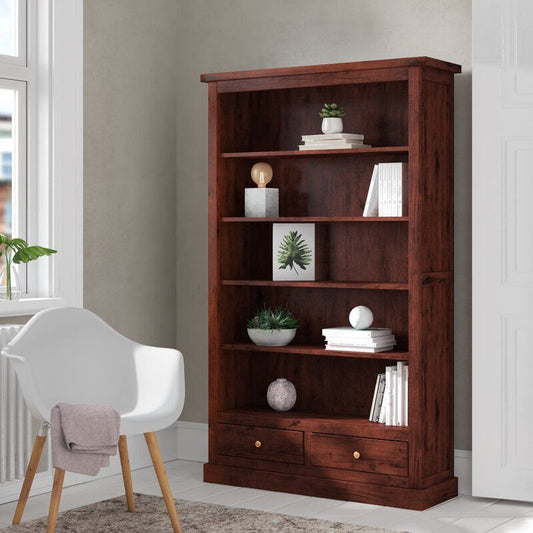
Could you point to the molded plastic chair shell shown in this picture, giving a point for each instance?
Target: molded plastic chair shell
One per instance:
(71, 355)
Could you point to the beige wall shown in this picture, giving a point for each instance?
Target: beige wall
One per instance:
(250, 34)
(130, 166)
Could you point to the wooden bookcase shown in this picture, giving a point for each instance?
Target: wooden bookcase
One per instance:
(402, 268)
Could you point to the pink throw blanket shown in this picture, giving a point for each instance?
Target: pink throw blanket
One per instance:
(84, 436)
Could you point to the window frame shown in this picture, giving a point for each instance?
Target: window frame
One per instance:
(53, 65)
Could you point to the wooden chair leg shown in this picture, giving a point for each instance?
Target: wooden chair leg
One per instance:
(126, 472)
(159, 467)
(53, 511)
(28, 478)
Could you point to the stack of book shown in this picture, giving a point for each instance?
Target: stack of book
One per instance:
(387, 194)
(332, 141)
(391, 395)
(390, 402)
(347, 339)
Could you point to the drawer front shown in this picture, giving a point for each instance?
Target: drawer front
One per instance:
(280, 445)
(352, 453)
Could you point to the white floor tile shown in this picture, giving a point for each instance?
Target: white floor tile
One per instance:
(476, 524)
(235, 498)
(307, 506)
(205, 490)
(420, 524)
(461, 506)
(523, 524)
(385, 517)
(270, 501)
(345, 512)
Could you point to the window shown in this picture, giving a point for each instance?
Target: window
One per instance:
(41, 144)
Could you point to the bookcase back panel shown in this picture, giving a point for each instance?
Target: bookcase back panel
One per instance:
(276, 119)
(324, 385)
(348, 251)
(315, 308)
(326, 186)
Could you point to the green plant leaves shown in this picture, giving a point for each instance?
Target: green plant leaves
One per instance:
(23, 252)
(30, 253)
(294, 251)
(268, 318)
(332, 110)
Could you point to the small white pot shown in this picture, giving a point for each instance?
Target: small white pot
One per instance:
(271, 337)
(332, 125)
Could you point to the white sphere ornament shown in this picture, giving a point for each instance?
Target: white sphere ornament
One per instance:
(361, 317)
(281, 395)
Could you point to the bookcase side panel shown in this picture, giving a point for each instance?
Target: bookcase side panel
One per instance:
(431, 275)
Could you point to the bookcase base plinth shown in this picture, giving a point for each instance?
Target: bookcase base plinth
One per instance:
(407, 498)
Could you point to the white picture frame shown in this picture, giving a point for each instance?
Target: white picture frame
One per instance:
(300, 265)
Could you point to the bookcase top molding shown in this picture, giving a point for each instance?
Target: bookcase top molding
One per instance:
(422, 61)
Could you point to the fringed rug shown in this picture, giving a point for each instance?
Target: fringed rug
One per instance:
(151, 516)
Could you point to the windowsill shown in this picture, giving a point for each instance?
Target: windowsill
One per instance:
(29, 306)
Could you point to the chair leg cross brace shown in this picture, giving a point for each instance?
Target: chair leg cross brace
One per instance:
(59, 477)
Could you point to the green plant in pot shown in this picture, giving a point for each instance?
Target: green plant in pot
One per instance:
(272, 327)
(16, 250)
(332, 118)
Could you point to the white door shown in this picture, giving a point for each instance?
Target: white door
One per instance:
(502, 224)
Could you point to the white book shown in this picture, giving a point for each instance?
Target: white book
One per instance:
(394, 421)
(379, 398)
(361, 349)
(339, 142)
(406, 396)
(389, 191)
(347, 331)
(372, 198)
(333, 137)
(400, 386)
(384, 190)
(390, 393)
(368, 343)
(325, 146)
(373, 406)
(394, 191)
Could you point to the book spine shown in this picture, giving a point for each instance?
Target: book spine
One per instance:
(382, 419)
(373, 407)
(390, 405)
(400, 387)
(381, 191)
(379, 399)
(405, 189)
(406, 396)
(394, 417)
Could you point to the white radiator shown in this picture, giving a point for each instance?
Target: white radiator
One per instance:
(15, 417)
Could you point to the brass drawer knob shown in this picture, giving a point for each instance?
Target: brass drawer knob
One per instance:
(258, 444)
(356, 455)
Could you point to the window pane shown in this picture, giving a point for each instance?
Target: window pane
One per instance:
(7, 143)
(8, 27)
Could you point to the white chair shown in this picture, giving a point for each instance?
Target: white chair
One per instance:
(71, 355)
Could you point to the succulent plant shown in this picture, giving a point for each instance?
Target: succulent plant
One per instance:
(268, 318)
(332, 110)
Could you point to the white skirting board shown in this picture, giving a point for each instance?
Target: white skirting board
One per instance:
(139, 458)
(192, 446)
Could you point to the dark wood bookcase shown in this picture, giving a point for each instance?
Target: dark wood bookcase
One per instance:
(402, 268)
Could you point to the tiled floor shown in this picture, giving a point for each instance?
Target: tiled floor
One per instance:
(461, 515)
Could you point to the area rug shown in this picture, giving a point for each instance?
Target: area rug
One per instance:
(151, 517)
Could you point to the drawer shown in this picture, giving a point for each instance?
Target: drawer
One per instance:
(353, 453)
(282, 445)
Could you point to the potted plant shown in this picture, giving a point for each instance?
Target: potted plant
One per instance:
(272, 327)
(332, 118)
(16, 251)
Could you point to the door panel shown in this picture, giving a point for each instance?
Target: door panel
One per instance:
(502, 262)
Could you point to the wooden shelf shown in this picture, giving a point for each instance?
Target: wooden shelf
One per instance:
(282, 154)
(365, 285)
(311, 421)
(314, 219)
(317, 350)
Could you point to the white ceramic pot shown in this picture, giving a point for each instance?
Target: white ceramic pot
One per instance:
(271, 337)
(281, 395)
(332, 125)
